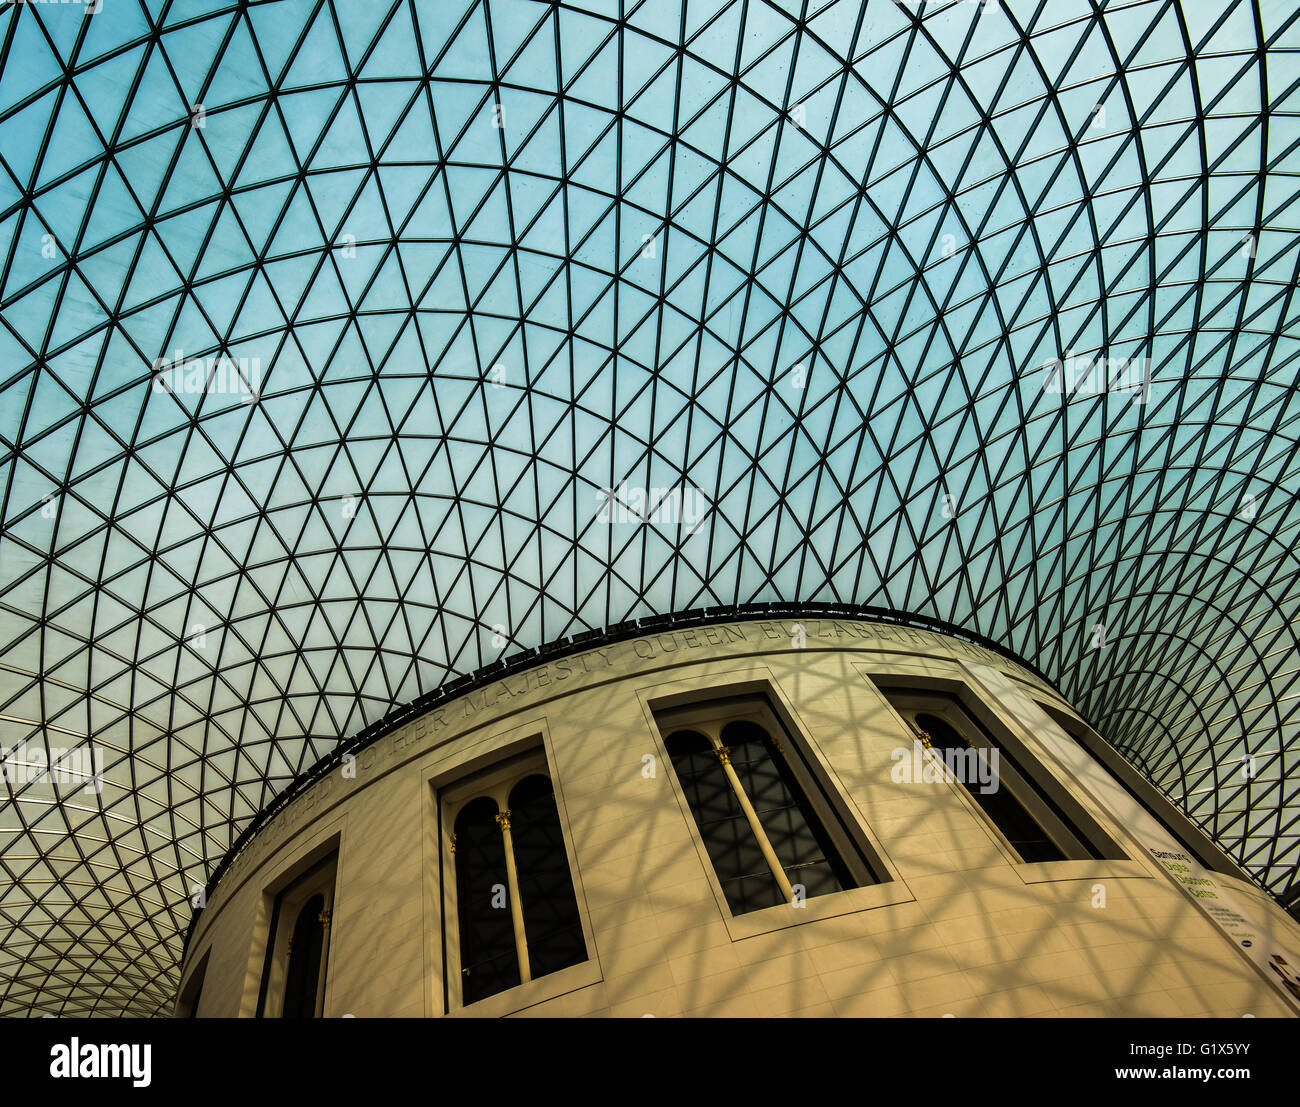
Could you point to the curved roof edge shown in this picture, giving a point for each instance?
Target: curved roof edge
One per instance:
(571, 644)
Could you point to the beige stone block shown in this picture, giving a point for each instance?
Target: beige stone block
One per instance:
(708, 935)
(1008, 947)
(1174, 973)
(907, 941)
(1113, 985)
(781, 972)
(612, 913)
(925, 963)
(940, 890)
(837, 928)
(1045, 967)
(1014, 919)
(662, 1004)
(680, 917)
(609, 883)
(899, 918)
(775, 943)
(626, 837)
(694, 894)
(703, 963)
(944, 855)
(626, 960)
(1157, 1004)
(1013, 1003)
(1233, 1000)
(632, 933)
(1089, 1010)
(776, 1001)
(883, 1003)
(843, 955)
(816, 1011)
(579, 1003)
(868, 976)
(935, 991)
(653, 977)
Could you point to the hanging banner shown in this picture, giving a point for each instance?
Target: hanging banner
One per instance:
(1279, 965)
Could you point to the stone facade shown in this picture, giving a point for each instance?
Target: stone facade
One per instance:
(960, 927)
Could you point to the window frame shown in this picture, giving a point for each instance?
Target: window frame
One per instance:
(711, 718)
(191, 992)
(952, 678)
(316, 876)
(1158, 806)
(454, 789)
(889, 888)
(1070, 844)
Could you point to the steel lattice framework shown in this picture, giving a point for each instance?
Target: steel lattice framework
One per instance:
(476, 263)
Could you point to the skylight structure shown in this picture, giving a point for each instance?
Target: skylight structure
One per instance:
(349, 347)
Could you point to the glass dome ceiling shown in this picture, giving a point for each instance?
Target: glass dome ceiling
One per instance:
(328, 327)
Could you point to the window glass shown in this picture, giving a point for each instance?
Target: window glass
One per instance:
(297, 950)
(488, 958)
(1007, 813)
(516, 899)
(797, 835)
(550, 909)
(742, 870)
(302, 981)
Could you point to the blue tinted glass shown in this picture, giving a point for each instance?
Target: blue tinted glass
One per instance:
(347, 348)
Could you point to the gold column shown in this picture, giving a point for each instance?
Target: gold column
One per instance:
(724, 756)
(516, 904)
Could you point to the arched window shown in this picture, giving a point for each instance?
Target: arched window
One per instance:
(1006, 812)
(187, 1005)
(1027, 811)
(738, 857)
(516, 909)
(798, 837)
(305, 948)
(551, 923)
(770, 827)
(488, 958)
(297, 953)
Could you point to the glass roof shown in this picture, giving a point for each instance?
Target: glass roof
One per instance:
(329, 327)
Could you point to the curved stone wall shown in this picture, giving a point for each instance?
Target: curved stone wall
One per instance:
(954, 920)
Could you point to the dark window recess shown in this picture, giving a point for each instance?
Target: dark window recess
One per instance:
(489, 962)
(796, 834)
(302, 979)
(746, 877)
(297, 949)
(1184, 831)
(1019, 827)
(193, 995)
(551, 923)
